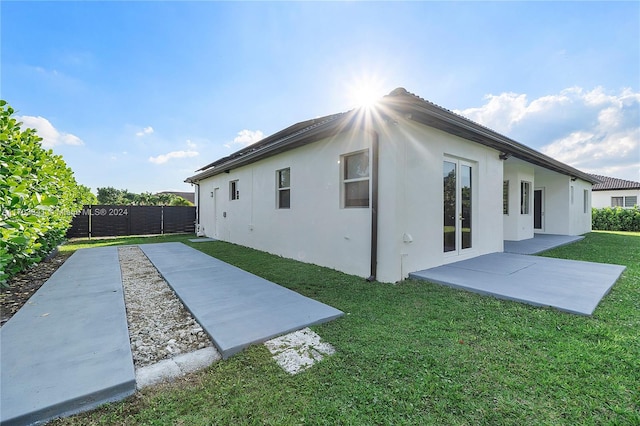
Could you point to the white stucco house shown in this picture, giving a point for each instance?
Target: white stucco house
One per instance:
(613, 192)
(383, 191)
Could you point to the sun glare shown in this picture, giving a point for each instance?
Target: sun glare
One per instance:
(365, 92)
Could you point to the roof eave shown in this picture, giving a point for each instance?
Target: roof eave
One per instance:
(451, 123)
(410, 106)
(322, 131)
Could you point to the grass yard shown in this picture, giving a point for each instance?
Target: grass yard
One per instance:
(417, 353)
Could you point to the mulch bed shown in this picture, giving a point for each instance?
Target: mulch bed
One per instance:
(24, 285)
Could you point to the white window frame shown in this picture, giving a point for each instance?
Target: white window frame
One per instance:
(346, 182)
(585, 201)
(234, 190)
(572, 191)
(624, 201)
(525, 197)
(280, 189)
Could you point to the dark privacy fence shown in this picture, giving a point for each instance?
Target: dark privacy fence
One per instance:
(114, 221)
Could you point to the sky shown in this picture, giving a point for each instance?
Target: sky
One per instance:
(138, 95)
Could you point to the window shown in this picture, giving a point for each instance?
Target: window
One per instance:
(525, 196)
(234, 192)
(283, 192)
(355, 174)
(505, 197)
(628, 201)
(572, 194)
(585, 201)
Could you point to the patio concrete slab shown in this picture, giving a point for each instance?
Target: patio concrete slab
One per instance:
(539, 243)
(67, 349)
(568, 285)
(235, 307)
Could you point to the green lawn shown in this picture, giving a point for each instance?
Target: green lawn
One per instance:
(417, 353)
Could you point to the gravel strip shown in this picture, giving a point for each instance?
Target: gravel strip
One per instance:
(159, 326)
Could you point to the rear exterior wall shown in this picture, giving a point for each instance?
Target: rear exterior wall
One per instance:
(411, 198)
(318, 229)
(315, 229)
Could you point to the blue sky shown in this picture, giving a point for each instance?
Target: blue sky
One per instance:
(138, 95)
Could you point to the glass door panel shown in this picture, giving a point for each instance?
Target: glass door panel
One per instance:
(465, 192)
(450, 202)
(457, 206)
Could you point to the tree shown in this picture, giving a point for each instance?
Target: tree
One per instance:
(109, 195)
(86, 197)
(128, 198)
(163, 199)
(38, 196)
(179, 201)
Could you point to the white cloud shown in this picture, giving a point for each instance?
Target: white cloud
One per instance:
(191, 144)
(50, 135)
(246, 137)
(163, 158)
(146, 131)
(595, 131)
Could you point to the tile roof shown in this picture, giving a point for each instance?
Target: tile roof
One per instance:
(609, 183)
(400, 103)
(280, 136)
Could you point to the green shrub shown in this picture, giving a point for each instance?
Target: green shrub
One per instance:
(616, 219)
(38, 197)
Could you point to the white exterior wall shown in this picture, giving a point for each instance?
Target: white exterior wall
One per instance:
(205, 201)
(411, 198)
(556, 198)
(315, 229)
(559, 214)
(517, 226)
(602, 199)
(579, 216)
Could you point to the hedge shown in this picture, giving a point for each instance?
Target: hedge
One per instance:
(616, 219)
(38, 197)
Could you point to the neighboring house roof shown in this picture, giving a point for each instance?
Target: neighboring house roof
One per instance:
(398, 103)
(609, 183)
(189, 196)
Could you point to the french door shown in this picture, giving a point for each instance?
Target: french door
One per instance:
(458, 205)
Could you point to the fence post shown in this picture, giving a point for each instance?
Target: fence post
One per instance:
(162, 220)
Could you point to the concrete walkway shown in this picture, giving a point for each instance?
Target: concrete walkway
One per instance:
(567, 285)
(235, 307)
(539, 243)
(67, 350)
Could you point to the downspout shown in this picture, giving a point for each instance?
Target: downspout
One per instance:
(197, 206)
(374, 205)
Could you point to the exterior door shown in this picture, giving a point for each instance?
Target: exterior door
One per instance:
(538, 209)
(457, 206)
